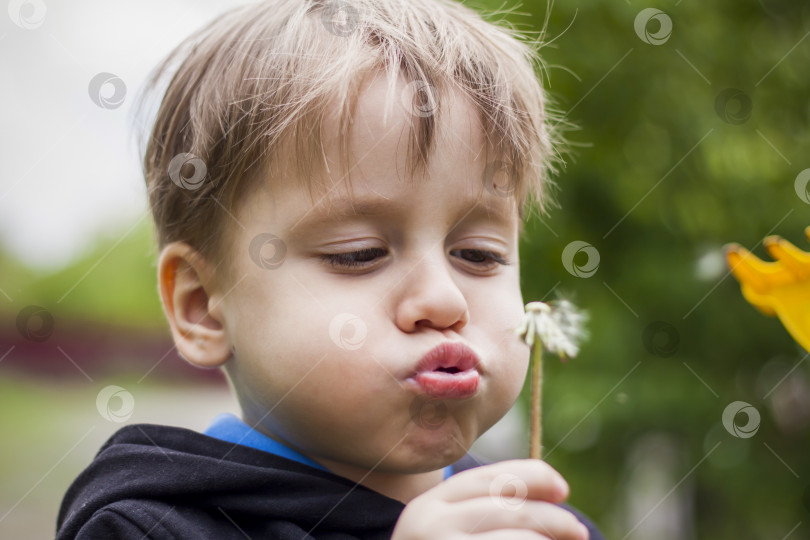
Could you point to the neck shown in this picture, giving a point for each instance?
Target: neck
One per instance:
(401, 487)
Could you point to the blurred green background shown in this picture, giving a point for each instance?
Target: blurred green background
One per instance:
(687, 140)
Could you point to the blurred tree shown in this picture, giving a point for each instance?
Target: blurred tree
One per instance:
(115, 282)
(693, 127)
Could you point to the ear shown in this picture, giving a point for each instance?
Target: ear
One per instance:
(191, 304)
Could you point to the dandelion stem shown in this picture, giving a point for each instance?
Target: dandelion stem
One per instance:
(536, 429)
(558, 330)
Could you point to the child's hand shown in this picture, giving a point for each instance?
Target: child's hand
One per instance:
(509, 500)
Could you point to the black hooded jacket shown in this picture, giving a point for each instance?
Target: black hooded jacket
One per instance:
(151, 481)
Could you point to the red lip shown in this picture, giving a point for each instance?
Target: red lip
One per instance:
(448, 371)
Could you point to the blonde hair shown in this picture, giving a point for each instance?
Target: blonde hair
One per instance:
(261, 76)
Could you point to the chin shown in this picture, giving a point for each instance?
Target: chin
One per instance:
(431, 449)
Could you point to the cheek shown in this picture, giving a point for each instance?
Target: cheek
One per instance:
(517, 368)
(287, 341)
(270, 333)
(516, 354)
(511, 353)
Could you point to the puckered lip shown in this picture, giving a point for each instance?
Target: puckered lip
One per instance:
(448, 371)
(449, 357)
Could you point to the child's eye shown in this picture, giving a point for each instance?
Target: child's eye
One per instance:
(354, 258)
(481, 257)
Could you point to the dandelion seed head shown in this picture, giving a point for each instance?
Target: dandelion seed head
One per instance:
(559, 327)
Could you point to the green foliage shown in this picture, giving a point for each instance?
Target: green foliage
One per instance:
(115, 282)
(658, 182)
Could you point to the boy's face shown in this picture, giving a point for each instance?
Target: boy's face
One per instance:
(323, 353)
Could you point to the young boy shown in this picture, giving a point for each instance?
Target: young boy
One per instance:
(338, 191)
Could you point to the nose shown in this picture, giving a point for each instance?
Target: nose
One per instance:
(429, 296)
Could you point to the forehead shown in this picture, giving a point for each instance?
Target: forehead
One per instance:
(368, 163)
(389, 126)
(391, 115)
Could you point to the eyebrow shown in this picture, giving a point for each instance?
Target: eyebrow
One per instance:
(337, 210)
(343, 208)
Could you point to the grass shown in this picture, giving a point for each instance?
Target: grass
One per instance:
(52, 429)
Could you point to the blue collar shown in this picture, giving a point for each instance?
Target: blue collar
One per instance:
(228, 427)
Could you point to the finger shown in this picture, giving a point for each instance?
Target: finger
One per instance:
(796, 261)
(522, 478)
(490, 514)
(510, 535)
